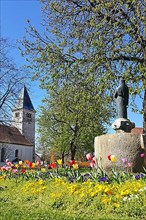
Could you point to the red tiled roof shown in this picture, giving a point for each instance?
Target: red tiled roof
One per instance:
(137, 131)
(12, 135)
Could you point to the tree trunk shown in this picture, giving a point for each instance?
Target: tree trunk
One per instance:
(62, 158)
(73, 144)
(144, 112)
(73, 151)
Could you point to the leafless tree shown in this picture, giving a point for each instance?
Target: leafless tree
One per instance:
(11, 80)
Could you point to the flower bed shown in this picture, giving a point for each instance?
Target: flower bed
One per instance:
(34, 191)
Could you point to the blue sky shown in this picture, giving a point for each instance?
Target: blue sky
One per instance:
(13, 22)
(14, 14)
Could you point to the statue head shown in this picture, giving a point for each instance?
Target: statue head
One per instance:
(122, 80)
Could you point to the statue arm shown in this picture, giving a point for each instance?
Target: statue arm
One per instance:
(116, 94)
(127, 97)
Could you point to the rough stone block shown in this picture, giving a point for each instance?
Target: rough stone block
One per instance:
(122, 145)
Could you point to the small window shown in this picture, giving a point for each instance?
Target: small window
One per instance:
(16, 153)
(3, 154)
(28, 115)
(17, 114)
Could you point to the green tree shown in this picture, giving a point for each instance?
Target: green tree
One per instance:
(73, 115)
(106, 38)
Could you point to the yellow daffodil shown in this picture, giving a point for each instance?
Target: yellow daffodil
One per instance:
(106, 200)
(116, 204)
(40, 182)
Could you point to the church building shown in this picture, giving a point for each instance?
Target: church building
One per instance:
(17, 142)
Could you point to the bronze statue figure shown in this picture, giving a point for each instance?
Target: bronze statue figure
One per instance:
(122, 98)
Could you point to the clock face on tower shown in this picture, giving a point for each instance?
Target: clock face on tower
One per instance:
(28, 116)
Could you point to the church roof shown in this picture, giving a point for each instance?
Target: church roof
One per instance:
(24, 101)
(12, 135)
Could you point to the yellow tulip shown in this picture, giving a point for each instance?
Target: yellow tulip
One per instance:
(20, 162)
(59, 162)
(75, 166)
(33, 165)
(113, 158)
(43, 170)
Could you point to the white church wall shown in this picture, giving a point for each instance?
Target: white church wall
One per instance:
(24, 152)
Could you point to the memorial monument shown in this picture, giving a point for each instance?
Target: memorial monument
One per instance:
(122, 99)
(123, 143)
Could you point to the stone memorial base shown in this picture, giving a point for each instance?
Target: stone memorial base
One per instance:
(122, 145)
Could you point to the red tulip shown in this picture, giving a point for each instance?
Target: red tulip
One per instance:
(3, 168)
(89, 156)
(22, 171)
(94, 160)
(9, 163)
(72, 162)
(29, 164)
(52, 165)
(8, 168)
(92, 164)
(109, 157)
(38, 162)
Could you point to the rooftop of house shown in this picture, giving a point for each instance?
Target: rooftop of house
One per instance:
(137, 131)
(12, 135)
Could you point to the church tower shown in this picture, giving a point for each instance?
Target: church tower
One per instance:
(23, 117)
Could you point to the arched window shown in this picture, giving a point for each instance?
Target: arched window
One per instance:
(16, 153)
(3, 152)
(17, 114)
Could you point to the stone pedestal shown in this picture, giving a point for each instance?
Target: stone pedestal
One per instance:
(122, 145)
